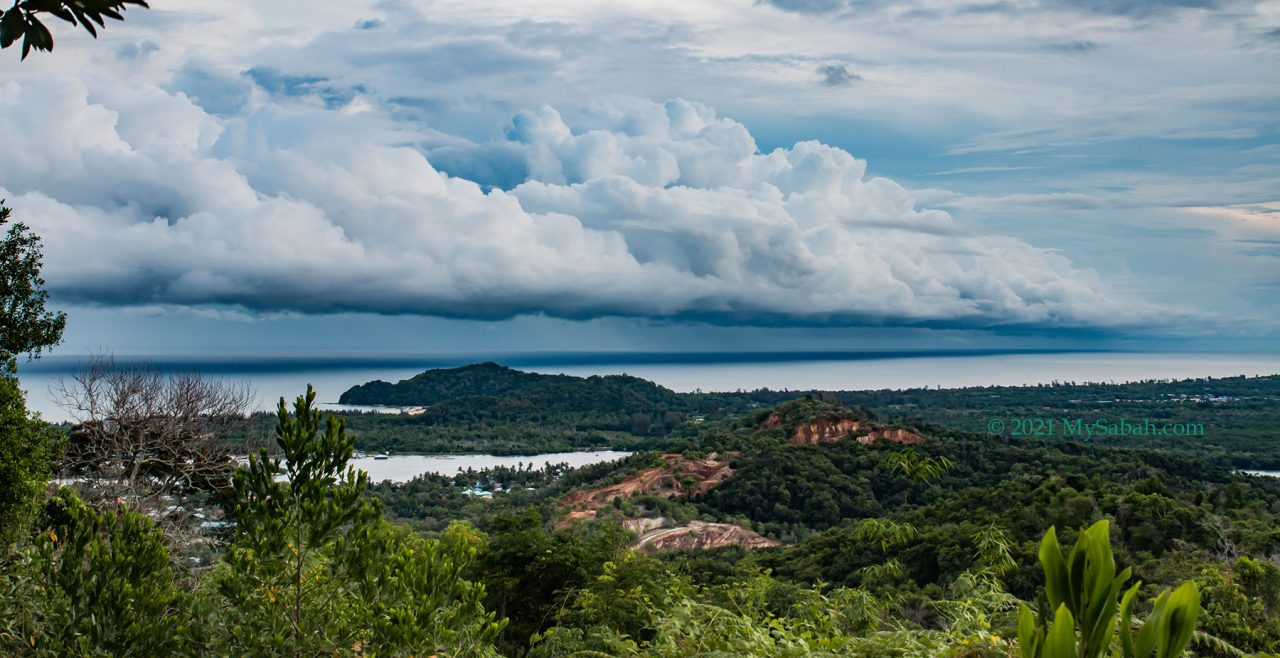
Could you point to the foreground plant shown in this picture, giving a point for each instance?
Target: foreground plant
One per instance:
(92, 583)
(1090, 618)
(313, 570)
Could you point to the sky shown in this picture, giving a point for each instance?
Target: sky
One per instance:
(236, 175)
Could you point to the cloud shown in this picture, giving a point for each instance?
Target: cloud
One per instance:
(660, 210)
(137, 50)
(274, 81)
(1260, 247)
(1073, 46)
(1132, 7)
(979, 170)
(836, 75)
(927, 10)
(810, 6)
(214, 92)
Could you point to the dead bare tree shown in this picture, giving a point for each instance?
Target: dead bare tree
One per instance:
(1228, 551)
(155, 442)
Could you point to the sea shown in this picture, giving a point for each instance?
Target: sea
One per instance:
(273, 377)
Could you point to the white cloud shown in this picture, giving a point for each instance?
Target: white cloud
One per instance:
(665, 210)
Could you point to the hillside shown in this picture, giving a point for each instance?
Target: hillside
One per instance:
(504, 386)
(813, 494)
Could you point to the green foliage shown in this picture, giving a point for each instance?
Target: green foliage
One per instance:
(1082, 588)
(759, 616)
(23, 19)
(797, 487)
(28, 447)
(527, 569)
(884, 532)
(95, 583)
(918, 466)
(28, 327)
(490, 408)
(623, 597)
(507, 390)
(28, 450)
(1240, 603)
(282, 598)
(312, 569)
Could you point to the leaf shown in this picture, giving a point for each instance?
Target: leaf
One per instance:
(1146, 640)
(43, 35)
(1126, 621)
(84, 21)
(63, 13)
(41, 5)
(11, 27)
(1030, 635)
(1061, 640)
(1181, 611)
(1055, 570)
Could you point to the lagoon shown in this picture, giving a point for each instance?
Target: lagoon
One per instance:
(402, 468)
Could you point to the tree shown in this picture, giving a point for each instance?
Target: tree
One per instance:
(531, 571)
(23, 19)
(313, 570)
(28, 448)
(93, 583)
(28, 327)
(150, 440)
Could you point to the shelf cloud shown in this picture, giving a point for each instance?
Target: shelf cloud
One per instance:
(663, 210)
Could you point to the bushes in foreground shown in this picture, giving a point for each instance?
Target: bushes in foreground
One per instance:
(311, 569)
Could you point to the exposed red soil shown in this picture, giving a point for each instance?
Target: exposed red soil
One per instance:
(894, 434)
(700, 535)
(576, 515)
(823, 430)
(679, 477)
(772, 422)
(830, 430)
(643, 524)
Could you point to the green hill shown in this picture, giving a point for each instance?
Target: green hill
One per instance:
(502, 386)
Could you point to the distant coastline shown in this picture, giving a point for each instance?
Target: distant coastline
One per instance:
(274, 376)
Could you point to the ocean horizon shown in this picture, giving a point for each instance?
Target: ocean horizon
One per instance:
(276, 375)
